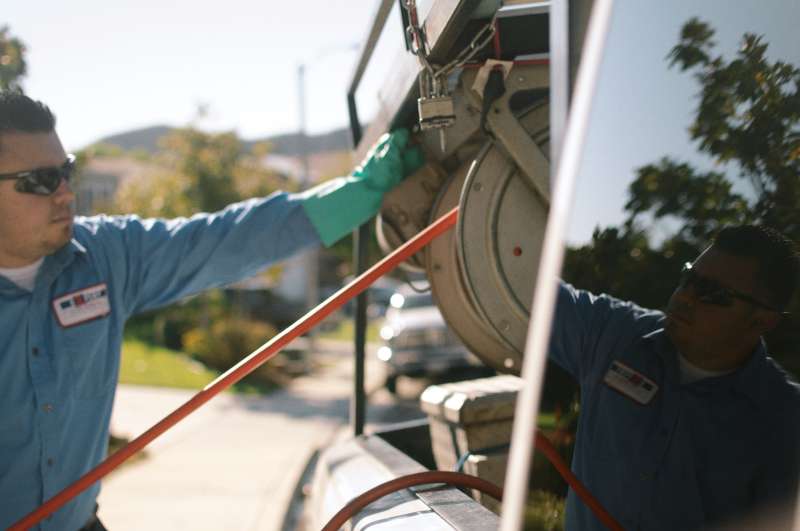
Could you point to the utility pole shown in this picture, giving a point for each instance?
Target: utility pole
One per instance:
(311, 256)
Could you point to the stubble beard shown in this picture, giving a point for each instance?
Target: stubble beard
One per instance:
(58, 240)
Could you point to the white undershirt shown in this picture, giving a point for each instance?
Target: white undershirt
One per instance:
(692, 373)
(24, 277)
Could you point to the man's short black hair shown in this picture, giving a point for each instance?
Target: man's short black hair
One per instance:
(779, 264)
(20, 113)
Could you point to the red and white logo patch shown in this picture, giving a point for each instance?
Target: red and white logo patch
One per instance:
(630, 383)
(83, 305)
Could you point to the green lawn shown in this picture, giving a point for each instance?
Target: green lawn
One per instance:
(144, 364)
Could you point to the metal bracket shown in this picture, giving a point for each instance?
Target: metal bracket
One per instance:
(510, 134)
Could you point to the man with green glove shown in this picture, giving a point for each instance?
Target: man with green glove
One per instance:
(67, 285)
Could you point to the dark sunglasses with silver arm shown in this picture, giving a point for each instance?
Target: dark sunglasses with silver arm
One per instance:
(710, 291)
(41, 181)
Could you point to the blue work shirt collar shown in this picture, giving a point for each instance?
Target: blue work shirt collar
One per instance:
(666, 351)
(743, 381)
(60, 260)
(52, 266)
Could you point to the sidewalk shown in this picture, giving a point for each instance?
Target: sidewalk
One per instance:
(233, 464)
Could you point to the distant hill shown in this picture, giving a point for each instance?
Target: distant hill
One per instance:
(145, 138)
(286, 144)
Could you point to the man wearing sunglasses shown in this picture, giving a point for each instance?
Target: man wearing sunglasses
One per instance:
(686, 422)
(67, 285)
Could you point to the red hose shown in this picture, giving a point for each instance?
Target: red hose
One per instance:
(458, 479)
(243, 368)
(420, 478)
(543, 445)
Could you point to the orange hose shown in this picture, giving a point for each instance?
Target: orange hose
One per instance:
(243, 368)
(420, 478)
(543, 445)
(458, 479)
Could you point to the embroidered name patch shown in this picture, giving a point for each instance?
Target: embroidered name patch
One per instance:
(82, 305)
(630, 383)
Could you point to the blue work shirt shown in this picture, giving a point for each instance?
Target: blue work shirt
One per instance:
(58, 382)
(694, 454)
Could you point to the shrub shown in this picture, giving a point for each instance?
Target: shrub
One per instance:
(166, 326)
(227, 341)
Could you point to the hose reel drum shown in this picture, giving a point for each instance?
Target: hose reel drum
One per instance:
(482, 274)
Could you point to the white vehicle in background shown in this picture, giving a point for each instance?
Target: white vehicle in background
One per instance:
(417, 341)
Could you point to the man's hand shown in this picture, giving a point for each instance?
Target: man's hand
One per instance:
(338, 206)
(389, 160)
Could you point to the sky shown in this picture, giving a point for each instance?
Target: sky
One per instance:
(106, 67)
(642, 109)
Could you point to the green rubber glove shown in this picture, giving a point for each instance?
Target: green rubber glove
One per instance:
(338, 206)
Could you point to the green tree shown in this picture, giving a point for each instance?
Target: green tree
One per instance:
(747, 117)
(12, 60)
(200, 171)
(747, 121)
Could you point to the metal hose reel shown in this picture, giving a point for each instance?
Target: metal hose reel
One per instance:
(482, 274)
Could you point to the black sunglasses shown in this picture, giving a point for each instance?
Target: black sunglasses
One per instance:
(710, 291)
(41, 181)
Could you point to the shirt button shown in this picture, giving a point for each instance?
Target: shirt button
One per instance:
(35, 351)
(47, 408)
(49, 461)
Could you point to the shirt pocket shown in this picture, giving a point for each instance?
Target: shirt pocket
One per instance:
(92, 360)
